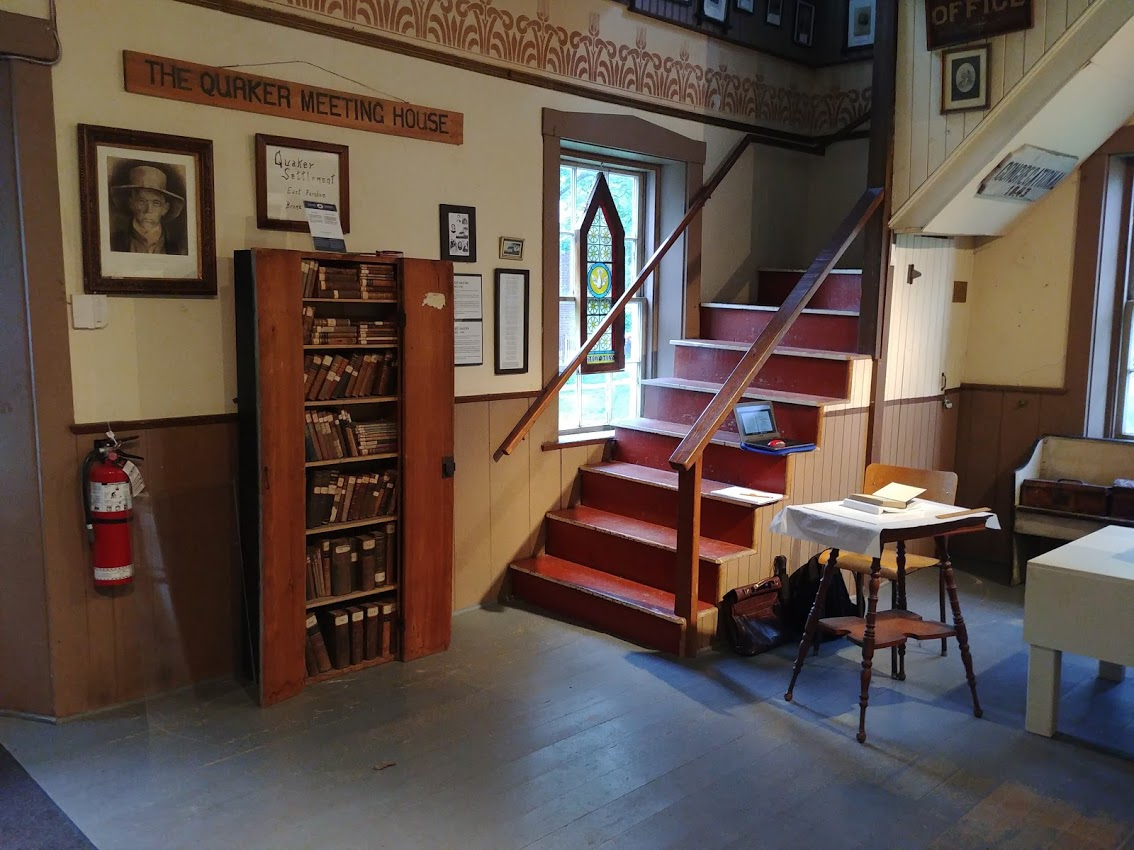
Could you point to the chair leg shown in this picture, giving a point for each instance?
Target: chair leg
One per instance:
(941, 601)
(859, 600)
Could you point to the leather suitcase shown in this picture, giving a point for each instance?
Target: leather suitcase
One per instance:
(1065, 494)
(1121, 504)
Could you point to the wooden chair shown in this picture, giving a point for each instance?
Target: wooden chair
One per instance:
(940, 487)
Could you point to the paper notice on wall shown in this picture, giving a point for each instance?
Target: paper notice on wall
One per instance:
(326, 229)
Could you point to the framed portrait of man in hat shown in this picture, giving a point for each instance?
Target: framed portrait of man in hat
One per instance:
(147, 213)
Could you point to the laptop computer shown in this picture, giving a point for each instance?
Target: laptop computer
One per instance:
(756, 422)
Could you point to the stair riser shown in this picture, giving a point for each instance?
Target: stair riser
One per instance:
(648, 502)
(812, 376)
(629, 559)
(826, 333)
(721, 463)
(619, 620)
(838, 292)
(672, 404)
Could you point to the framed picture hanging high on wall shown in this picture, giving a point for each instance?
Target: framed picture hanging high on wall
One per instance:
(458, 233)
(714, 10)
(774, 14)
(146, 213)
(859, 24)
(804, 32)
(964, 79)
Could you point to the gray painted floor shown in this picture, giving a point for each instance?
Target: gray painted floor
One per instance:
(535, 733)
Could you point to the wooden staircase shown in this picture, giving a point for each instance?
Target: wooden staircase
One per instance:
(610, 560)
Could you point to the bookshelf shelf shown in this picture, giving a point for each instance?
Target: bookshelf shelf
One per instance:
(405, 399)
(354, 668)
(344, 526)
(351, 346)
(350, 300)
(324, 601)
(335, 402)
(358, 459)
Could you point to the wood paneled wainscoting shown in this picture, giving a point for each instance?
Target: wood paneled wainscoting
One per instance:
(996, 428)
(179, 623)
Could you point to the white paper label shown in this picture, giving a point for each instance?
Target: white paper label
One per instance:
(110, 498)
(137, 485)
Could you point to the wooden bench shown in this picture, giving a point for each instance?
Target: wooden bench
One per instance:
(1086, 459)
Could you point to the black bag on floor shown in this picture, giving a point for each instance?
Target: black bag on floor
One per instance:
(799, 596)
(750, 615)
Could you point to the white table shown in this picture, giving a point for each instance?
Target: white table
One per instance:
(1079, 598)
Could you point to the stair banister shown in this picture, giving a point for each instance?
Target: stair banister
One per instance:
(686, 459)
(552, 387)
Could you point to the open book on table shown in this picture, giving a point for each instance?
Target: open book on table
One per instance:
(893, 497)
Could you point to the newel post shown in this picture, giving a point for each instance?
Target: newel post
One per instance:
(688, 557)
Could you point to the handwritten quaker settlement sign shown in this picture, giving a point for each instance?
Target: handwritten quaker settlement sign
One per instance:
(1027, 174)
(228, 88)
(958, 21)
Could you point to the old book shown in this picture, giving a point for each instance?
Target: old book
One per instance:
(318, 645)
(386, 640)
(322, 365)
(336, 499)
(309, 576)
(309, 658)
(334, 375)
(337, 631)
(367, 562)
(386, 380)
(354, 369)
(370, 630)
(391, 552)
(325, 548)
(365, 385)
(381, 567)
(357, 633)
(341, 566)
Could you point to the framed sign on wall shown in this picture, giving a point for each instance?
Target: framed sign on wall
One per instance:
(291, 171)
(948, 22)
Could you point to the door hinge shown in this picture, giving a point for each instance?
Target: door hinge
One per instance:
(448, 467)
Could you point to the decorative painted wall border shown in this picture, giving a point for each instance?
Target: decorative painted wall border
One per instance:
(485, 30)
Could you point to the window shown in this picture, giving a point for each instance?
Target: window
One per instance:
(594, 401)
(1122, 420)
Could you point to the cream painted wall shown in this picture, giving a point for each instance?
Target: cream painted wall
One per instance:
(1021, 294)
(36, 8)
(175, 357)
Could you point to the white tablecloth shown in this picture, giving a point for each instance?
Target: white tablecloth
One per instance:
(831, 524)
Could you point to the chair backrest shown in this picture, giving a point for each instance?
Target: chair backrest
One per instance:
(940, 486)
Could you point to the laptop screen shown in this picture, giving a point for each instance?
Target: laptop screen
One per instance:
(755, 420)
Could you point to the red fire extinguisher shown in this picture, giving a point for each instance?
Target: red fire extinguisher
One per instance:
(108, 503)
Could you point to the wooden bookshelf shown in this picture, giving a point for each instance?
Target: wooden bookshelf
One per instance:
(324, 601)
(354, 668)
(311, 464)
(285, 560)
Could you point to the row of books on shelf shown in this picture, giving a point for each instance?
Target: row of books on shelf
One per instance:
(341, 637)
(361, 280)
(334, 496)
(329, 330)
(330, 436)
(341, 565)
(331, 376)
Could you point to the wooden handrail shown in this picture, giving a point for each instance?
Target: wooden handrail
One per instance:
(693, 446)
(552, 387)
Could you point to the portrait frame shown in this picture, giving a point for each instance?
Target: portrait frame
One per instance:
(114, 165)
(774, 13)
(715, 11)
(326, 160)
(803, 30)
(860, 22)
(746, 6)
(964, 79)
(511, 248)
(458, 233)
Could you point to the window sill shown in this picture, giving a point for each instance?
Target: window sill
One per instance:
(570, 441)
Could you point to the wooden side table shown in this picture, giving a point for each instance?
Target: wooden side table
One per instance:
(826, 524)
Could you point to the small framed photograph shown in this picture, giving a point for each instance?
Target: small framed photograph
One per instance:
(291, 171)
(511, 248)
(714, 10)
(964, 79)
(860, 24)
(748, 6)
(458, 233)
(804, 32)
(146, 213)
(774, 15)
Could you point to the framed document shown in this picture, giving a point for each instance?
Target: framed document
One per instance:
(290, 172)
(511, 322)
(468, 343)
(467, 299)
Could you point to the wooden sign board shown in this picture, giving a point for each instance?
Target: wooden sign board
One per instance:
(232, 89)
(958, 21)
